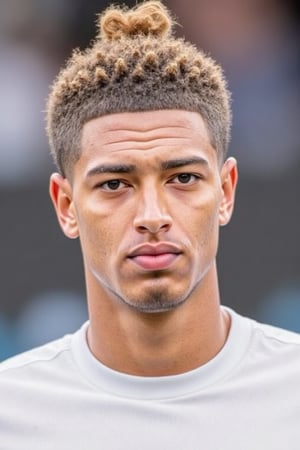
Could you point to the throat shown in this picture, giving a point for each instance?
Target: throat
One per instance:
(161, 344)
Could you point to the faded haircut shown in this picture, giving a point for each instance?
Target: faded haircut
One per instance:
(135, 64)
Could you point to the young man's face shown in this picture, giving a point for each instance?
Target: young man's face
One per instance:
(146, 199)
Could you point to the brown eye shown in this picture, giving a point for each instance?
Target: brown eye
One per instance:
(113, 184)
(184, 177)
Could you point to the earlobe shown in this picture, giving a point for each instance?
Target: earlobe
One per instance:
(61, 195)
(229, 177)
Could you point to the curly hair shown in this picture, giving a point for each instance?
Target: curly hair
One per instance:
(135, 64)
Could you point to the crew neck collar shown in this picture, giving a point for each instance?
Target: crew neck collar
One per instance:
(154, 388)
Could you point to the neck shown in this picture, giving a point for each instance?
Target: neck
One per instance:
(158, 344)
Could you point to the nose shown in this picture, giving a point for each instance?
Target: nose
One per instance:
(151, 216)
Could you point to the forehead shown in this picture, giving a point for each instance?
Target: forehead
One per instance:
(144, 137)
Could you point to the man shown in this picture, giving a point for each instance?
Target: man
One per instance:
(139, 127)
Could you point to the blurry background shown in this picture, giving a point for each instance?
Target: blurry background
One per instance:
(258, 43)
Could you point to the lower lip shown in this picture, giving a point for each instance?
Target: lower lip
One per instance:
(155, 262)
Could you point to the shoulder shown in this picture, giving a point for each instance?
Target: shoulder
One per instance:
(266, 345)
(35, 357)
(262, 331)
(270, 356)
(275, 334)
(275, 348)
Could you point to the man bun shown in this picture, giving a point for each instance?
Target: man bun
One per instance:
(151, 18)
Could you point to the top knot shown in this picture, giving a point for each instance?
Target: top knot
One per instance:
(148, 18)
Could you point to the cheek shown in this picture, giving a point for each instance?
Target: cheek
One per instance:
(202, 224)
(98, 235)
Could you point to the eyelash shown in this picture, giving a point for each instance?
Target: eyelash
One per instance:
(105, 185)
(195, 178)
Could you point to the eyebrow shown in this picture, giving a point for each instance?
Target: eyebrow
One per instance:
(175, 163)
(130, 168)
(111, 168)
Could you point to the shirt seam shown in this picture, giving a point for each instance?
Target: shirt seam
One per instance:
(279, 339)
(35, 361)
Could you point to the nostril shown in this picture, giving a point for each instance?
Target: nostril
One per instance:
(165, 226)
(153, 226)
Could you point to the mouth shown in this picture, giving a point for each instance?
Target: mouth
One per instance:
(155, 257)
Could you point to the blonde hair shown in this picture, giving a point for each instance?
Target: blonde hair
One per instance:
(135, 64)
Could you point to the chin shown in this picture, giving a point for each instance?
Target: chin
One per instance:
(156, 302)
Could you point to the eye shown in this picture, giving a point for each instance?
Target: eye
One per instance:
(112, 185)
(185, 178)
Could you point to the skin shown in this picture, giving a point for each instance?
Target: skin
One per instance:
(143, 181)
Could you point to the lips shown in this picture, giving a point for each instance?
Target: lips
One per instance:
(155, 257)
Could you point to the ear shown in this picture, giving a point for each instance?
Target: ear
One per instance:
(61, 195)
(229, 177)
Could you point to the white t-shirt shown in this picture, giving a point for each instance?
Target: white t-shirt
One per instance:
(60, 397)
